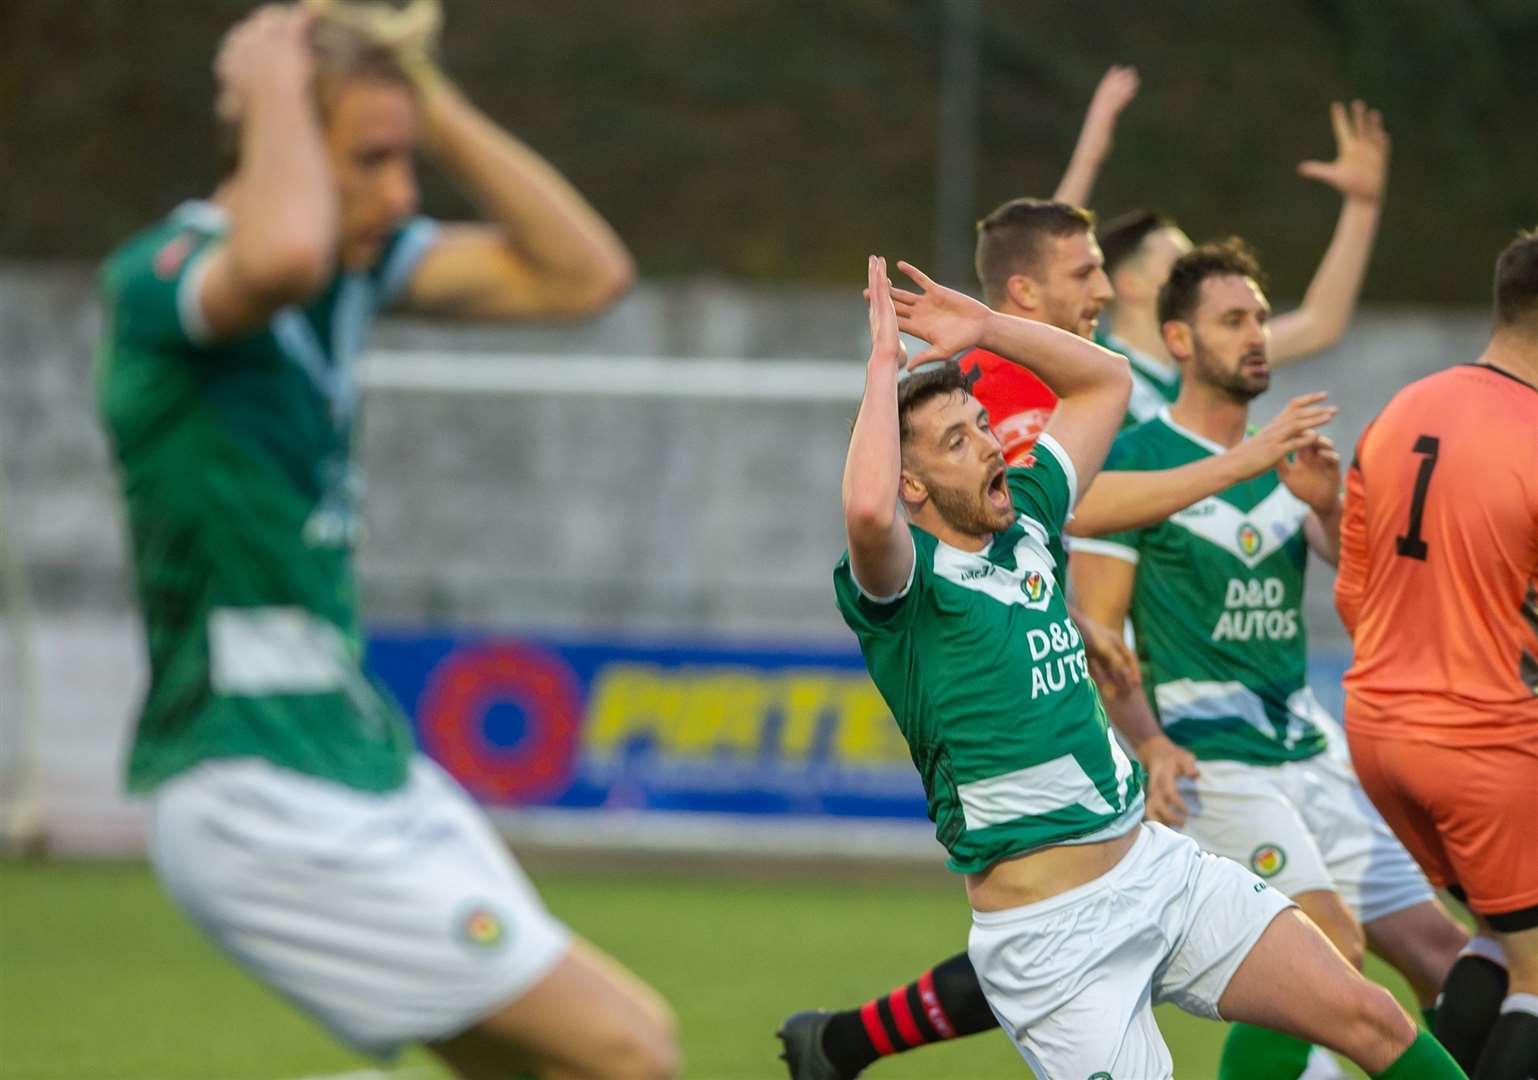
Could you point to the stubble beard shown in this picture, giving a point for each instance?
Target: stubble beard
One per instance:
(1239, 387)
(969, 514)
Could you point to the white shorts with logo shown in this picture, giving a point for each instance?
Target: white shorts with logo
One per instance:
(391, 918)
(1073, 979)
(1304, 826)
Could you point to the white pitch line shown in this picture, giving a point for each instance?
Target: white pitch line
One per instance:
(612, 376)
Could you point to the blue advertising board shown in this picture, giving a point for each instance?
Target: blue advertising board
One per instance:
(653, 726)
(693, 726)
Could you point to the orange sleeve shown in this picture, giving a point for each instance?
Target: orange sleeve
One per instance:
(1351, 574)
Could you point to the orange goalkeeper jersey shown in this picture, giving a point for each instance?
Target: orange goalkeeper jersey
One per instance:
(1438, 580)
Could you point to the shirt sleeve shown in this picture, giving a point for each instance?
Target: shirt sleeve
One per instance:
(871, 615)
(400, 258)
(1047, 489)
(151, 290)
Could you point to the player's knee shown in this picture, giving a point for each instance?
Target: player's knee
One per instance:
(643, 1051)
(1379, 1017)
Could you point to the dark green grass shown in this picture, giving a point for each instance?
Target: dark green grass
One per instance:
(101, 979)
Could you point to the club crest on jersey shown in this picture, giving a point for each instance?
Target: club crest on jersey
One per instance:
(1034, 585)
(1249, 539)
(1268, 860)
(169, 259)
(481, 927)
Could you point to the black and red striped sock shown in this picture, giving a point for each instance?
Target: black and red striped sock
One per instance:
(945, 1002)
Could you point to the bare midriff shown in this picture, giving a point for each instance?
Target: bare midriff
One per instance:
(1041, 875)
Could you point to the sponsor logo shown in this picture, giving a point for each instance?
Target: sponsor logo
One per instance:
(1249, 538)
(1033, 585)
(977, 572)
(1268, 860)
(482, 927)
(1261, 886)
(169, 259)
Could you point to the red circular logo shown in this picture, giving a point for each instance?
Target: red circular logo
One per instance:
(469, 682)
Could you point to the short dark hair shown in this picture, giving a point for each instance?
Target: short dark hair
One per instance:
(1009, 240)
(928, 381)
(1122, 236)
(1179, 294)
(1516, 280)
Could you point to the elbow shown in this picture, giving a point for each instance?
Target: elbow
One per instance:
(288, 273)
(1119, 384)
(604, 284)
(868, 520)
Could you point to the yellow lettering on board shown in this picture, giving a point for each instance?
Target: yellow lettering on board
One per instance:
(629, 701)
(723, 712)
(866, 734)
(805, 698)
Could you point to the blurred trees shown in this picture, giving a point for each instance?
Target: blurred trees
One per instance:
(783, 139)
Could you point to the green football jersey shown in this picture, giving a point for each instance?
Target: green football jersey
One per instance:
(236, 467)
(1155, 384)
(1217, 608)
(986, 675)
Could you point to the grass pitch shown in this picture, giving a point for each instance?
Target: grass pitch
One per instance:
(101, 979)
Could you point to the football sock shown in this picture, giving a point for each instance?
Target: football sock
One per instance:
(1468, 1006)
(1511, 1052)
(943, 1003)
(1257, 1053)
(1426, 1059)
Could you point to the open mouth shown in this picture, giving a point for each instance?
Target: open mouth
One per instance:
(997, 491)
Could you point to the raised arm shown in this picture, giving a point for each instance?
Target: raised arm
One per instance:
(283, 206)
(1118, 501)
(1092, 384)
(880, 546)
(543, 251)
(1359, 172)
(1117, 87)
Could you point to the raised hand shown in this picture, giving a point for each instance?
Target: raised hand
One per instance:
(266, 50)
(885, 345)
(1313, 475)
(1362, 147)
(950, 321)
(1118, 86)
(1293, 429)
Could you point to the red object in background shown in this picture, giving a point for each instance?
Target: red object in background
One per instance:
(1018, 403)
(466, 684)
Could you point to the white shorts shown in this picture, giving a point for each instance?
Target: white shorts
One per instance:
(1073, 979)
(1304, 825)
(391, 918)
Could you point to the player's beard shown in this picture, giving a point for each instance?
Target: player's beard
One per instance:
(1240, 385)
(968, 512)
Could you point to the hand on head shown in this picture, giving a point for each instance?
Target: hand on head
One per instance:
(268, 49)
(950, 321)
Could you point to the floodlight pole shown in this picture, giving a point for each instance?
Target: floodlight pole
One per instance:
(956, 153)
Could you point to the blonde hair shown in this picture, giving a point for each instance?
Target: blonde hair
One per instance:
(353, 40)
(372, 38)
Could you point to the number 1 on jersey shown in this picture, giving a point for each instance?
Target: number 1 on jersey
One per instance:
(1411, 544)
